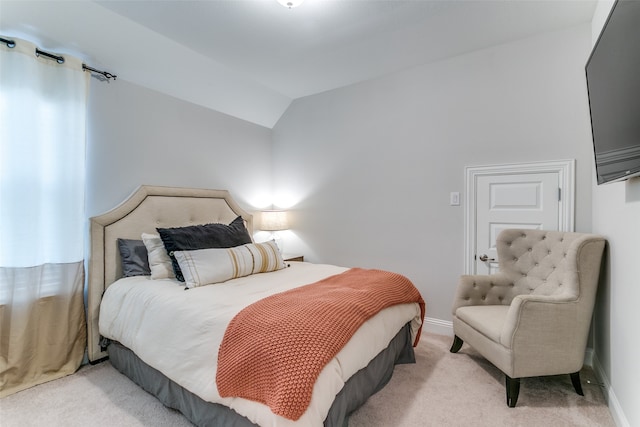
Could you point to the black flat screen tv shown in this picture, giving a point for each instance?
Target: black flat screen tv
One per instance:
(613, 84)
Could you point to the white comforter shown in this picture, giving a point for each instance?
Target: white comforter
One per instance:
(178, 332)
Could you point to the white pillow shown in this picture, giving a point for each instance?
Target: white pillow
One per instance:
(208, 266)
(159, 261)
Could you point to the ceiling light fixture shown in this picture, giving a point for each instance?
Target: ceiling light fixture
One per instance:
(290, 3)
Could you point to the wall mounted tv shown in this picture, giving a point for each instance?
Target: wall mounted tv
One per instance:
(613, 83)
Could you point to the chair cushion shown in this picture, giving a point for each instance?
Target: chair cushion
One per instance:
(486, 319)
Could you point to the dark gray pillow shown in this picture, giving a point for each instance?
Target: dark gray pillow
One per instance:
(135, 259)
(203, 237)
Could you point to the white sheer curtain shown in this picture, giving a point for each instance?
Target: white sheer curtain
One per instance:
(42, 169)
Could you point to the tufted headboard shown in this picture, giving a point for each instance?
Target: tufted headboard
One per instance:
(145, 209)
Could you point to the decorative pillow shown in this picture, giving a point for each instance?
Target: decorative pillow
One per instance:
(208, 266)
(135, 261)
(159, 261)
(203, 237)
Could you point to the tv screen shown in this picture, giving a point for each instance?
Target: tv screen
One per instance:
(613, 83)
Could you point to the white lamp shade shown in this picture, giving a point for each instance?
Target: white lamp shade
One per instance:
(274, 220)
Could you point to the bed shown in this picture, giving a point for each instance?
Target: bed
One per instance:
(160, 334)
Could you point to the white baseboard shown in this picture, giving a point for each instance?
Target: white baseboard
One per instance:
(614, 406)
(437, 326)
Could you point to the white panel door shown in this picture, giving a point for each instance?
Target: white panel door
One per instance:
(532, 196)
(512, 201)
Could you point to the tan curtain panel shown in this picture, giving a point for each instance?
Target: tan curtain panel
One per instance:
(43, 331)
(42, 170)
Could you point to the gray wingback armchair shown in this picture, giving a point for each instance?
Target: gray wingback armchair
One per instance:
(532, 318)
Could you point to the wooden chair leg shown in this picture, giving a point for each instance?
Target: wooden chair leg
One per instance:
(575, 380)
(457, 343)
(513, 389)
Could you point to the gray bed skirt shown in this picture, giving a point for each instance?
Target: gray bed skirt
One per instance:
(356, 391)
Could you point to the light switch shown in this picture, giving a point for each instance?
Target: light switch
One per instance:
(454, 198)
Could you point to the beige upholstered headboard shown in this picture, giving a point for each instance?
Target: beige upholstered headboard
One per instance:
(144, 210)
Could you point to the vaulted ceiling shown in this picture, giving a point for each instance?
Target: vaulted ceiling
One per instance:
(251, 58)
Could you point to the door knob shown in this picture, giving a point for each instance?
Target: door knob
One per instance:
(485, 258)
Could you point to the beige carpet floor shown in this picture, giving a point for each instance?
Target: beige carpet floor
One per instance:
(441, 389)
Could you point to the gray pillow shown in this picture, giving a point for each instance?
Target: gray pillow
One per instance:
(135, 260)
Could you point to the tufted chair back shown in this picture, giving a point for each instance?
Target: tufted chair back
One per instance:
(534, 262)
(539, 262)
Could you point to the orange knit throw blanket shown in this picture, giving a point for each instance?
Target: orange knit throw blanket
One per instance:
(273, 350)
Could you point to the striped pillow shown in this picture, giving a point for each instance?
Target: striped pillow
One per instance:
(208, 266)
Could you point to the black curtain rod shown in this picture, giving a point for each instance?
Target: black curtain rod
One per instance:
(57, 58)
(107, 75)
(60, 60)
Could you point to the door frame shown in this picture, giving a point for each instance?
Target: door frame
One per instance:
(566, 172)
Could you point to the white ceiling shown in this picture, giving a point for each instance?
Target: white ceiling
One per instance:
(251, 58)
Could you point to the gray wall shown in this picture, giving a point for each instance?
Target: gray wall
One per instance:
(367, 169)
(138, 136)
(616, 215)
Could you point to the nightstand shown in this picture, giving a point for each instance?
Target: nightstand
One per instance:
(289, 257)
